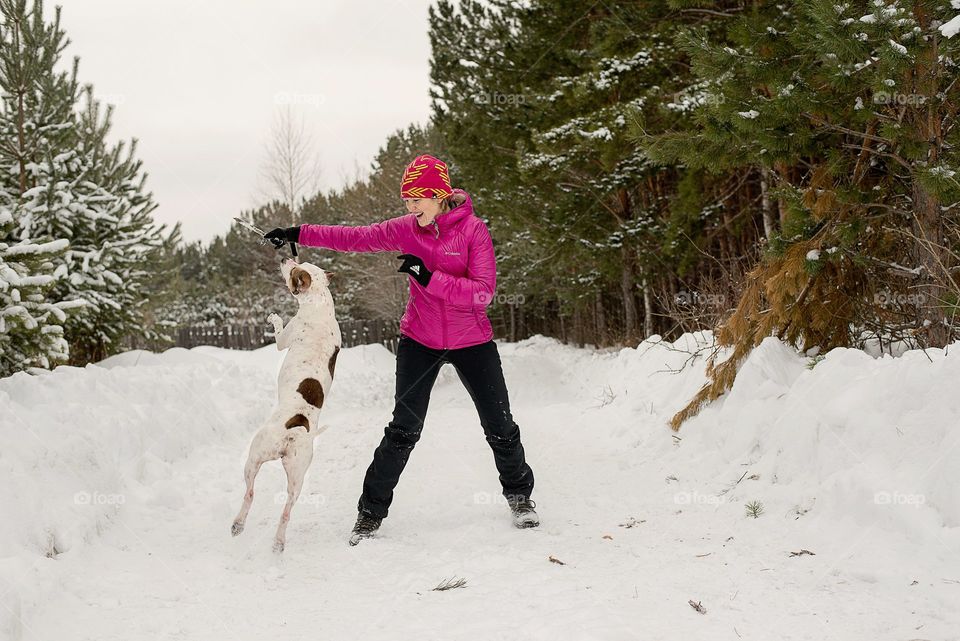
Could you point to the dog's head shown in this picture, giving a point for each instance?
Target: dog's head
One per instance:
(305, 280)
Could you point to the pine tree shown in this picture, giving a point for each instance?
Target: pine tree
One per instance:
(34, 115)
(850, 110)
(115, 243)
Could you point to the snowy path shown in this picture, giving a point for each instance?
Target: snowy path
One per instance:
(164, 565)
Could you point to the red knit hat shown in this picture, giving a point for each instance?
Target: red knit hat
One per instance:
(425, 177)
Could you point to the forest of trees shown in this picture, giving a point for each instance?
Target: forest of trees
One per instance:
(762, 168)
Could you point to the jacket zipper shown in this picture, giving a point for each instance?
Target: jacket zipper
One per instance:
(443, 306)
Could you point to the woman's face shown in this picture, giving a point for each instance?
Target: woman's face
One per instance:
(426, 209)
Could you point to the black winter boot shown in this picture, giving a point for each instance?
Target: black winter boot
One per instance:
(365, 527)
(524, 515)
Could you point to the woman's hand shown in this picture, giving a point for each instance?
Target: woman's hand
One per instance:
(414, 266)
(282, 235)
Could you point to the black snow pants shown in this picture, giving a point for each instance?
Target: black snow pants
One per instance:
(480, 371)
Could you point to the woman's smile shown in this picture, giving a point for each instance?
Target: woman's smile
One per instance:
(425, 210)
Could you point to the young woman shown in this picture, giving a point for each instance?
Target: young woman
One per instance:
(448, 255)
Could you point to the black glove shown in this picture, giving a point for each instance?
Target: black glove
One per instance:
(280, 236)
(414, 266)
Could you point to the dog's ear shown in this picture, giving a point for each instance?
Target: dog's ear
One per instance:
(330, 275)
(299, 280)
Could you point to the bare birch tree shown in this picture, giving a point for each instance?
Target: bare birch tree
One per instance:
(291, 172)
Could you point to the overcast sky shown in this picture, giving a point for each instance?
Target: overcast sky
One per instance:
(199, 82)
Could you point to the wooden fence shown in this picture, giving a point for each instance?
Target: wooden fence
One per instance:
(364, 332)
(354, 332)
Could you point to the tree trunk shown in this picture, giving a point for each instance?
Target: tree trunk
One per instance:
(563, 329)
(769, 220)
(21, 141)
(627, 286)
(601, 319)
(784, 173)
(648, 330)
(930, 249)
(577, 331)
(931, 252)
(523, 322)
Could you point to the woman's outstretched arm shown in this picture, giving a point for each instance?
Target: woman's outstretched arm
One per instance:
(378, 237)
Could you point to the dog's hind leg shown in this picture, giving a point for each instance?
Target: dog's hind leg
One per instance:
(249, 475)
(296, 461)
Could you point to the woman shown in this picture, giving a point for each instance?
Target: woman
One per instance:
(448, 255)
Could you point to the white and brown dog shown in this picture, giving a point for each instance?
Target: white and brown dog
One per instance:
(313, 340)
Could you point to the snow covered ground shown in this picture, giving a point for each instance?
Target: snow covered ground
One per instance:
(120, 482)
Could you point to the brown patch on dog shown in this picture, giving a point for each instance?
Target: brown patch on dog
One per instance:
(333, 360)
(312, 391)
(299, 280)
(298, 420)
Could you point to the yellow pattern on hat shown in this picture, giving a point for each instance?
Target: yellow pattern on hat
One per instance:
(425, 177)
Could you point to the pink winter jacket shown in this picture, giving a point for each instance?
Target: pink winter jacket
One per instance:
(451, 311)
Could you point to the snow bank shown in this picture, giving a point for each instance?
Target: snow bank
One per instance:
(834, 448)
(865, 438)
(872, 438)
(77, 444)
